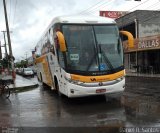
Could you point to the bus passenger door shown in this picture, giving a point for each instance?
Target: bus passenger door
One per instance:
(51, 66)
(47, 73)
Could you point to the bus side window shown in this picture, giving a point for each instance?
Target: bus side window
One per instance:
(51, 39)
(57, 50)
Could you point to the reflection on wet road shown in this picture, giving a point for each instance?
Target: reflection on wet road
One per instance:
(145, 110)
(141, 100)
(44, 108)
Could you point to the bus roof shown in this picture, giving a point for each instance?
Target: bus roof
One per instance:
(83, 19)
(80, 19)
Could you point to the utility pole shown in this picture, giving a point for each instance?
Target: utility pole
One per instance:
(26, 55)
(9, 40)
(26, 59)
(7, 27)
(0, 51)
(5, 45)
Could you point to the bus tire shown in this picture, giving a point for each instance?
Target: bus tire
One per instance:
(41, 80)
(57, 87)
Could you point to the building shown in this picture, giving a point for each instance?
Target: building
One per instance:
(145, 27)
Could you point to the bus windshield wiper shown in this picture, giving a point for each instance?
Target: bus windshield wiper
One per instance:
(90, 63)
(106, 58)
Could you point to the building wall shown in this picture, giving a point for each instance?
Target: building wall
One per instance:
(145, 56)
(149, 29)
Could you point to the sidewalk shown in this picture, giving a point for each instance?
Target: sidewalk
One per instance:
(148, 75)
(22, 83)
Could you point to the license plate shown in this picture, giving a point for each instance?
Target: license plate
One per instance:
(100, 90)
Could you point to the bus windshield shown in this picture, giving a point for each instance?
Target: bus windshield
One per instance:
(93, 48)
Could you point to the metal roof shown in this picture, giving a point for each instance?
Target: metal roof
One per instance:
(142, 16)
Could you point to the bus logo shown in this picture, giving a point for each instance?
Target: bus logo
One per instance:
(93, 79)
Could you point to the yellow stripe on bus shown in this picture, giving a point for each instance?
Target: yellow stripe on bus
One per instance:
(45, 65)
(40, 59)
(102, 78)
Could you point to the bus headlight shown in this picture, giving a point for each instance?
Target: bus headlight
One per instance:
(68, 79)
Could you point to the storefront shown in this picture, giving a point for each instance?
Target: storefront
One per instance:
(145, 28)
(145, 56)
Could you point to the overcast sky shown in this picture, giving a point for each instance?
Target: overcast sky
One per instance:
(29, 18)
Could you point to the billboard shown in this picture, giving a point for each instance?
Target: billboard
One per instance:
(112, 14)
(144, 43)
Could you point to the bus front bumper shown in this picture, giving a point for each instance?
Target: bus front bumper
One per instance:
(75, 90)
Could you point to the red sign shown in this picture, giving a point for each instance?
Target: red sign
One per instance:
(112, 14)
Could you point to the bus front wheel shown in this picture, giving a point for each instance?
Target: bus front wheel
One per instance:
(57, 87)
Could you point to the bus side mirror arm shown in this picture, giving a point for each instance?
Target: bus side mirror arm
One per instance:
(61, 41)
(130, 38)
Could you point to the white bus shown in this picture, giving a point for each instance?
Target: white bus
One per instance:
(81, 56)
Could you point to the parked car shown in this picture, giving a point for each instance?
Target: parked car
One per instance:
(27, 72)
(19, 71)
(33, 69)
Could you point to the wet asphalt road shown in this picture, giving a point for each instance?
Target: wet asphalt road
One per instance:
(139, 106)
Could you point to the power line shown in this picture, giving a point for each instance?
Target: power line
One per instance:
(102, 5)
(97, 5)
(8, 5)
(11, 19)
(14, 12)
(108, 3)
(138, 5)
(149, 8)
(150, 17)
(144, 16)
(91, 7)
(10, 14)
(153, 5)
(157, 5)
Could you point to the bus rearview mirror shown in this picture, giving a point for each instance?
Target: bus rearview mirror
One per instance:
(130, 38)
(61, 41)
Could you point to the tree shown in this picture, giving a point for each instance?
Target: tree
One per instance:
(5, 63)
(22, 63)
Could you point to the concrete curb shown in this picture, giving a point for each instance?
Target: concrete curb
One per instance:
(24, 88)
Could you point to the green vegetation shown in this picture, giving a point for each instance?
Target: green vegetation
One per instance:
(21, 64)
(5, 63)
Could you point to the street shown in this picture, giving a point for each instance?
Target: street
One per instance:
(55, 56)
(42, 107)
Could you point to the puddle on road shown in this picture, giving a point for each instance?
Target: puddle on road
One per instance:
(140, 109)
(45, 108)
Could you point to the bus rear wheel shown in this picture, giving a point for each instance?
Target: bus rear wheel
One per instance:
(41, 80)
